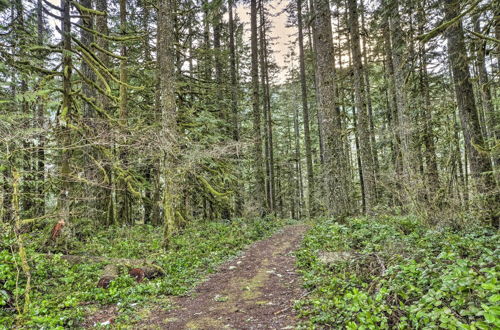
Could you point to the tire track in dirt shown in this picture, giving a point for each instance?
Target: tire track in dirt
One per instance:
(256, 290)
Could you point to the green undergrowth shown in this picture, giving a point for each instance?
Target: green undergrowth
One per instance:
(395, 272)
(62, 294)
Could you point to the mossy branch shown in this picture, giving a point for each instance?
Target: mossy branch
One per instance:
(97, 108)
(92, 64)
(97, 87)
(96, 61)
(91, 11)
(433, 33)
(107, 52)
(211, 189)
(482, 36)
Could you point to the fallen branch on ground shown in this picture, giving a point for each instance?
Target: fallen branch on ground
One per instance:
(138, 268)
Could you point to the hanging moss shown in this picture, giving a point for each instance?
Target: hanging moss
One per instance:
(107, 52)
(97, 87)
(211, 189)
(91, 57)
(482, 36)
(431, 34)
(84, 9)
(98, 109)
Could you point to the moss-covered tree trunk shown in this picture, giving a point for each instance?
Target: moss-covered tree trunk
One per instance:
(166, 67)
(40, 117)
(392, 115)
(65, 112)
(336, 169)
(259, 185)
(123, 193)
(480, 164)
(363, 128)
(238, 208)
(105, 200)
(305, 112)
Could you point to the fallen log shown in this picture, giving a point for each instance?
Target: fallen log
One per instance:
(109, 274)
(143, 272)
(139, 269)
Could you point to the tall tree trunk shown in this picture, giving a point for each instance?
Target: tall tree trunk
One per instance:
(8, 168)
(124, 197)
(336, 168)
(352, 101)
(358, 155)
(88, 91)
(259, 189)
(217, 29)
(26, 195)
(305, 113)
(292, 186)
(166, 63)
(298, 168)
(432, 174)
(63, 203)
(267, 155)
(105, 200)
(266, 105)
(40, 115)
(313, 48)
(368, 93)
(362, 111)
(392, 107)
(234, 105)
(149, 168)
(404, 128)
(207, 69)
(146, 16)
(480, 165)
(491, 121)
(87, 37)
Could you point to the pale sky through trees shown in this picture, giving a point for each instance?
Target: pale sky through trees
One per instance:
(280, 33)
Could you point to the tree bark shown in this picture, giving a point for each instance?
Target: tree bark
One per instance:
(105, 200)
(312, 45)
(305, 113)
(40, 114)
(63, 203)
(124, 196)
(491, 120)
(368, 93)
(391, 102)
(404, 128)
(234, 104)
(336, 168)
(259, 188)
(266, 105)
(480, 165)
(432, 173)
(363, 128)
(166, 62)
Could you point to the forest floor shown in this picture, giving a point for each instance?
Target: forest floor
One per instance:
(256, 290)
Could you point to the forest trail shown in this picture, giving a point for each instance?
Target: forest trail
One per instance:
(256, 290)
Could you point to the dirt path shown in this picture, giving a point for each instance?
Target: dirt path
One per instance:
(254, 291)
